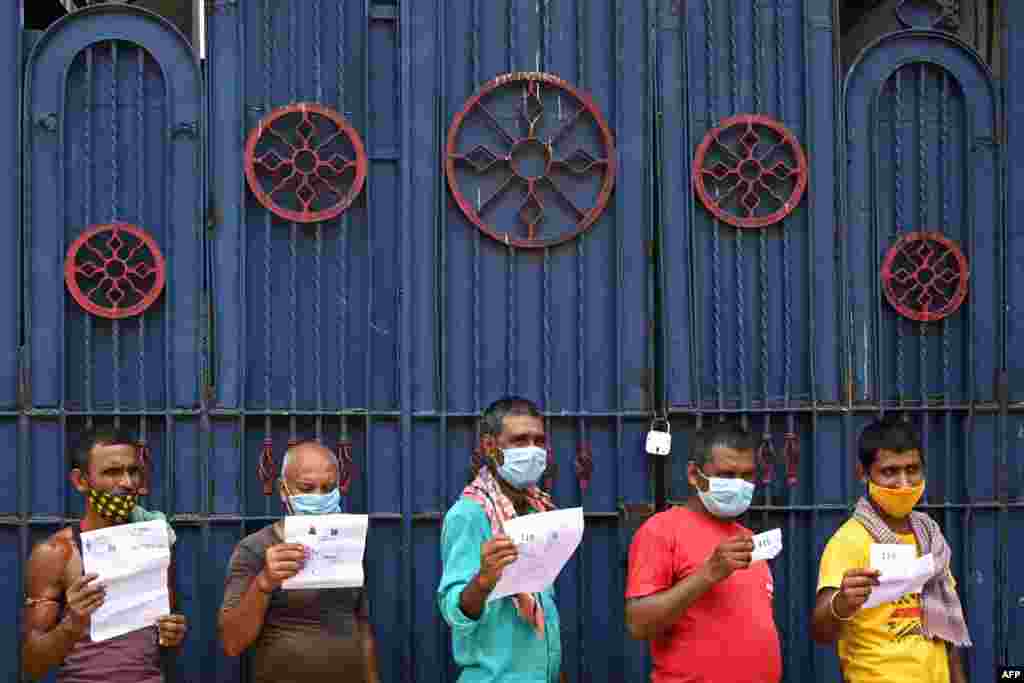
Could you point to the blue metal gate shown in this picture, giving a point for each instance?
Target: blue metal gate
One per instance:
(387, 328)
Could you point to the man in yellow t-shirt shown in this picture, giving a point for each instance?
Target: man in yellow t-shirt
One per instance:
(914, 639)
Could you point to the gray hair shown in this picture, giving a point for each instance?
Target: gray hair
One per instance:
(291, 451)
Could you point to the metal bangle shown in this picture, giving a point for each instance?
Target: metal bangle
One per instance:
(832, 609)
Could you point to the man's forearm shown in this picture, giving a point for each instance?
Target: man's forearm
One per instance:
(825, 627)
(647, 617)
(44, 651)
(369, 650)
(956, 665)
(474, 597)
(241, 624)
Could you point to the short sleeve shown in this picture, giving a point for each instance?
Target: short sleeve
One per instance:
(842, 553)
(465, 530)
(651, 562)
(244, 565)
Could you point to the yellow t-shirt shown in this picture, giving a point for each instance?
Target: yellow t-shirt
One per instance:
(883, 644)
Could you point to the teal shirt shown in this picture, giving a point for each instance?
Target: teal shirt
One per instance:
(500, 646)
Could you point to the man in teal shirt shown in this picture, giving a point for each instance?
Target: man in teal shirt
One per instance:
(515, 638)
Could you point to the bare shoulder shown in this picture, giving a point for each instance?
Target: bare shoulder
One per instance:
(45, 575)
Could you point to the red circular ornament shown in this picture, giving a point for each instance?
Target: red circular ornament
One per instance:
(305, 163)
(513, 129)
(115, 270)
(925, 276)
(750, 171)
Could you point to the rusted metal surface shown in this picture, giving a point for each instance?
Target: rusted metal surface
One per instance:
(925, 276)
(750, 171)
(305, 163)
(115, 270)
(546, 109)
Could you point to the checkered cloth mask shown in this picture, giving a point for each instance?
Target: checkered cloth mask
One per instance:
(115, 507)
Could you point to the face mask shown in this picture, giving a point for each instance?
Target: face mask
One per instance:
(113, 506)
(523, 467)
(315, 503)
(896, 502)
(726, 497)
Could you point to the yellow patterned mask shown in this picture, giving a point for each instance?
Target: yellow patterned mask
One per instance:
(896, 502)
(115, 507)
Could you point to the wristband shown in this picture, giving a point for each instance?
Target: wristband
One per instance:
(832, 608)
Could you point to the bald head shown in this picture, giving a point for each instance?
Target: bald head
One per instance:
(310, 467)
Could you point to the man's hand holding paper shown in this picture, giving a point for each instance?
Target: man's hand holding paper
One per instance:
(335, 545)
(131, 562)
(544, 543)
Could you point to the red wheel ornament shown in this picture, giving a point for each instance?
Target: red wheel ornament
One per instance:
(115, 270)
(305, 163)
(750, 171)
(530, 160)
(925, 276)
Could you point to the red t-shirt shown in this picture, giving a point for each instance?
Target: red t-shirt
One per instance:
(728, 635)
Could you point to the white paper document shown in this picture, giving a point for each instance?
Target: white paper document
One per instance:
(131, 561)
(901, 573)
(336, 544)
(545, 542)
(767, 545)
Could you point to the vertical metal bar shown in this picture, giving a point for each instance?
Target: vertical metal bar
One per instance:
(944, 171)
(342, 247)
(370, 260)
(292, 240)
(787, 276)
(89, 106)
(741, 295)
(809, 125)
(898, 228)
(404, 338)
(475, 68)
(319, 269)
(922, 208)
(440, 204)
(115, 189)
(878, 241)
(268, 321)
(762, 236)
(695, 303)
(511, 349)
(140, 217)
(716, 238)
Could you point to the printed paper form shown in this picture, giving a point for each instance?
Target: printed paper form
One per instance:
(767, 545)
(545, 542)
(901, 570)
(337, 544)
(131, 561)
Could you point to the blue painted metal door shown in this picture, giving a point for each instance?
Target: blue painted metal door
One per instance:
(385, 330)
(393, 325)
(788, 326)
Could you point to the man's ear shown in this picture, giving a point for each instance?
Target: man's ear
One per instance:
(77, 479)
(488, 445)
(692, 476)
(862, 476)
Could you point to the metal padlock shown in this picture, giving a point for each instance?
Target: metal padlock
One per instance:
(659, 441)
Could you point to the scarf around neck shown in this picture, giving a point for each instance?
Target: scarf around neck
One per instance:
(942, 615)
(486, 491)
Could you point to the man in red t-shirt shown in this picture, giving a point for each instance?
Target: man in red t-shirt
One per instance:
(692, 590)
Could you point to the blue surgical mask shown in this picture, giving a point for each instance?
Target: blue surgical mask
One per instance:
(315, 503)
(726, 497)
(523, 467)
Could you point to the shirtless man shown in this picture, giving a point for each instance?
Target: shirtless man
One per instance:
(60, 598)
